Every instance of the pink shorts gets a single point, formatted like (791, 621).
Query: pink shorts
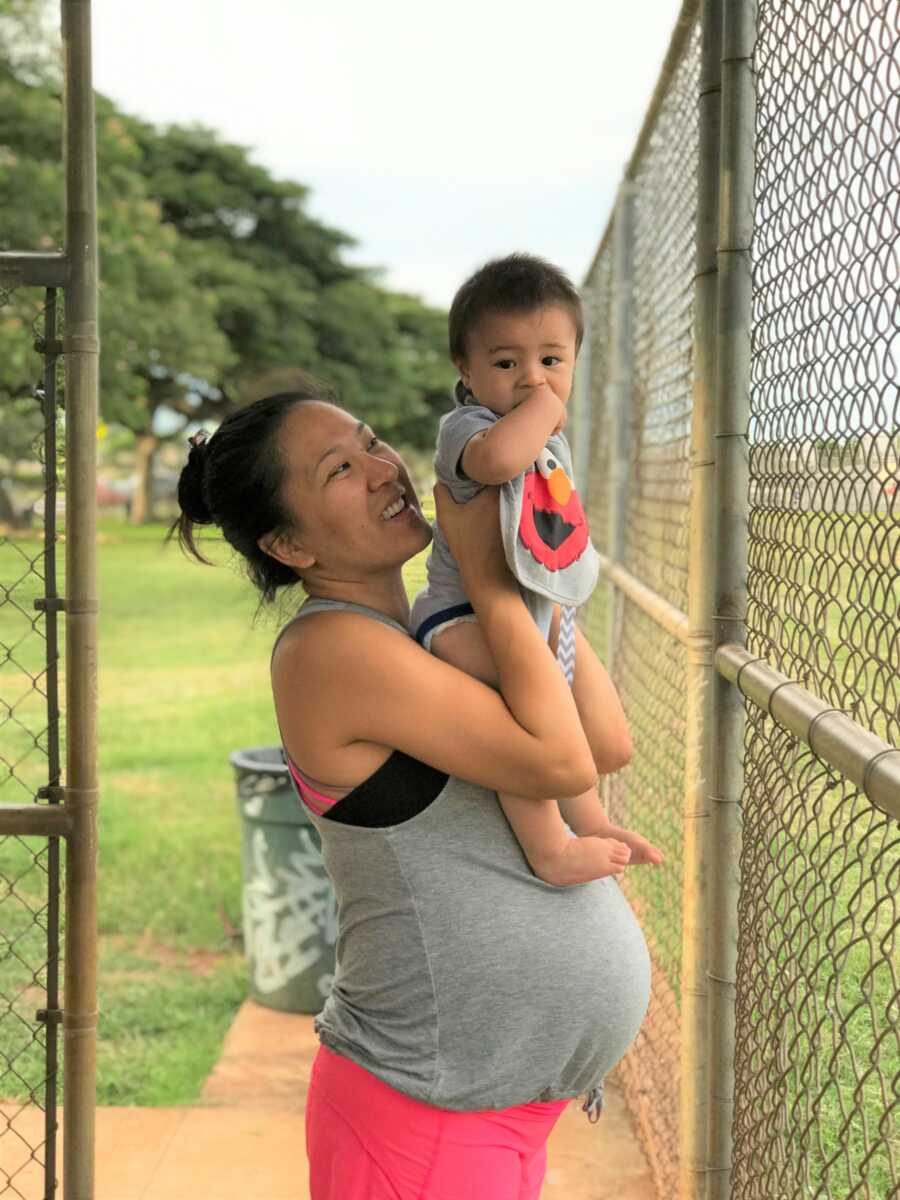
(366, 1141)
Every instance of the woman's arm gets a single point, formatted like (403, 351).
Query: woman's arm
(346, 685)
(596, 699)
(529, 679)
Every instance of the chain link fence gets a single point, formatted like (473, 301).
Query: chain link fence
(594, 486)
(817, 1006)
(648, 664)
(818, 1056)
(30, 868)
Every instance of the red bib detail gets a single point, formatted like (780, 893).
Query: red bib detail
(555, 534)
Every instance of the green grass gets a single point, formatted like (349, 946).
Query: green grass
(183, 681)
(163, 1019)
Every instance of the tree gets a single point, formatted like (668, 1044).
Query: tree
(158, 328)
(21, 426)
(286, 297)
(213, 276)
(25, 53)
(28, 41)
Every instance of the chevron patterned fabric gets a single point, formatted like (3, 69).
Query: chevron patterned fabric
(565, 647)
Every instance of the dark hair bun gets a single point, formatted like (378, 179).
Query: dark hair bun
(191, 486)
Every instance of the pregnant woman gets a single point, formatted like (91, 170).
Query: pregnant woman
(471, 1000)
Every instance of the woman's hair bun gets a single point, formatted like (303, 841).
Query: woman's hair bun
(191, 484)
(235, 480)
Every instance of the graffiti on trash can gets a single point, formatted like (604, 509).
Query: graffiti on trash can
(253, 806)
(288, 914)
(253, 788)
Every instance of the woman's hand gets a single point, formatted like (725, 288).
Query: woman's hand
(473, 534)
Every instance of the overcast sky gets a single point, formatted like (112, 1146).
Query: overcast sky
(437, 134)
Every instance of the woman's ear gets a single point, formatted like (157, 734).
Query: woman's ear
(284, 546)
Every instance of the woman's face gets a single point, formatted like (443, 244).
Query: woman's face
(342, 483)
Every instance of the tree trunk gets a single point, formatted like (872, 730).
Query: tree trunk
(8, 515)
(142, 502)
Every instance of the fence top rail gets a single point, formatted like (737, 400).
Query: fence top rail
(37, 269)
(672, 619)
(857, 753)
(677, 43)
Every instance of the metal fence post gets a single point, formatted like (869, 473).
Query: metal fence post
(81, 348)
(732, 506)
(619, 397)
(700, 672)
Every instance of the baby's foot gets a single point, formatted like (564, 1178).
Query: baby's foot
(612, 855)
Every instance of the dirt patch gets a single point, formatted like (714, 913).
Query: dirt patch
(138, 785)
(29, 1000)
(200, 961)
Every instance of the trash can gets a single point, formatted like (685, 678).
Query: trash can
(289, 908)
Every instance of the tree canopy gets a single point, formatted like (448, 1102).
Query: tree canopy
(213, 273)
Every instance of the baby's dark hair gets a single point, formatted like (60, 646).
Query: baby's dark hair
(235, 479)
(518, 283)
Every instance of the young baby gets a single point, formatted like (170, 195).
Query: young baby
(515, 330)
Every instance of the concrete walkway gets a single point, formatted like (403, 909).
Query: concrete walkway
(244, 1141)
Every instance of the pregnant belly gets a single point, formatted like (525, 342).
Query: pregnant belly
(590, 969)
(561, 978)
(613, 976)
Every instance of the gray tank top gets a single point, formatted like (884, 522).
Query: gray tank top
(462, 979)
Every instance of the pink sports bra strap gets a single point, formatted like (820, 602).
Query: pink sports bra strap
(314, 800)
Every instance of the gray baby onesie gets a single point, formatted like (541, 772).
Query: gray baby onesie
(545, 532)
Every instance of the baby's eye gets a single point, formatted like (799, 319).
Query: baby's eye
(551, 360)
(505, 364)
(373, 442)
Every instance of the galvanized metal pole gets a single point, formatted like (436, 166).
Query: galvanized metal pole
(700, 600)
(81, 347)
(732, 493)
(50, 604)
(619, 397)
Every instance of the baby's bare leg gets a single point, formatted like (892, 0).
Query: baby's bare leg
(465, 646)
(552, 852)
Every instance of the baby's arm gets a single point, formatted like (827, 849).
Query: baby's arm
(508, 446)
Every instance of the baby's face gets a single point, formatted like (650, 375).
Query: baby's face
(510, 354)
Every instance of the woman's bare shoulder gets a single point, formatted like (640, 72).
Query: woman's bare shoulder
(325, 638)
(324, 669)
